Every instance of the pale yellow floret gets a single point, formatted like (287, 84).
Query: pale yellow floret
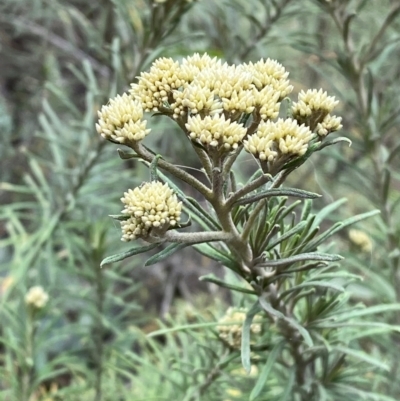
(230, 326)
(198, 98)
(261, 147)
(267, 99)
(240, 101)
(200, 62)
(284, 135)
(269, 73)
(132, 229)
(154, 87)
(152, 205)
(312, 101)
(329, 124)
(224, 79)
(215, 131)
(361, 239)
(121, 120)
(36, 297)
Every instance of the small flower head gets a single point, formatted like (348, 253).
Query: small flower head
(269, 73)
(283, 137)
(230, 326)
(313, 109)
(152, 205)
(329, 124)
(361, 240)
(215, 131)
(36, 297)
(312, 101)
(154, 88)
(267, 100)
(121, 120)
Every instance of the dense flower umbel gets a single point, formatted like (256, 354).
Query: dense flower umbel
(121, 120)
(281, 137)
(313, 108)
(222, 106)
(205, 85)
(153, 205)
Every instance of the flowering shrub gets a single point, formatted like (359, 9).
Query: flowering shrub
(252, 228)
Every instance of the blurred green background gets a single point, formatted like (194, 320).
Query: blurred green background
(60, 60)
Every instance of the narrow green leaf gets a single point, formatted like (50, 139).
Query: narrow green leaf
(154, 168)
(204, 214)
(211, 278)
(265, 371)
(355, 393)
(121, 256)
(119, 217)
(303, 332)
(301, 258)
(245, 346)
(334, 142)
(386, 184)
(165, 253)
(367, 311)
(125, 155)
(287, 235)
(185, 327)
(217, 255)
(294, 192)
(327, 210)
(339, 226)
(314, 284)
(363, 356)
(287, 392)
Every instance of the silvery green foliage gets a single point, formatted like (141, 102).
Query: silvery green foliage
(188, 361)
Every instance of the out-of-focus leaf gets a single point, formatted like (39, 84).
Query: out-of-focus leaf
(245, 346)
(265, 371)
(165, 253)
(123, 255)
(292, 322)
(211, 278)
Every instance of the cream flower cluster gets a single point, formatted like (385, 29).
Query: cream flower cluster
(281, 137)
(36, 297)
(216, 103)
(361, 240)
(205, 85)
(152, 205)
(215, 131)
(121, 120)
(230, 326)
(155, 87)
(313, 108)
(270, 73)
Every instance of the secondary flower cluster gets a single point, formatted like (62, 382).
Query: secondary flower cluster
(230, 326)
(36, 297)
(150, 206)
(283, 136)
(121, 120)
(313, 109)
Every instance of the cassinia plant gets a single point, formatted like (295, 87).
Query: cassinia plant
(304, 330)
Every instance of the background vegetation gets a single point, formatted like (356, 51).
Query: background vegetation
(60, 61)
